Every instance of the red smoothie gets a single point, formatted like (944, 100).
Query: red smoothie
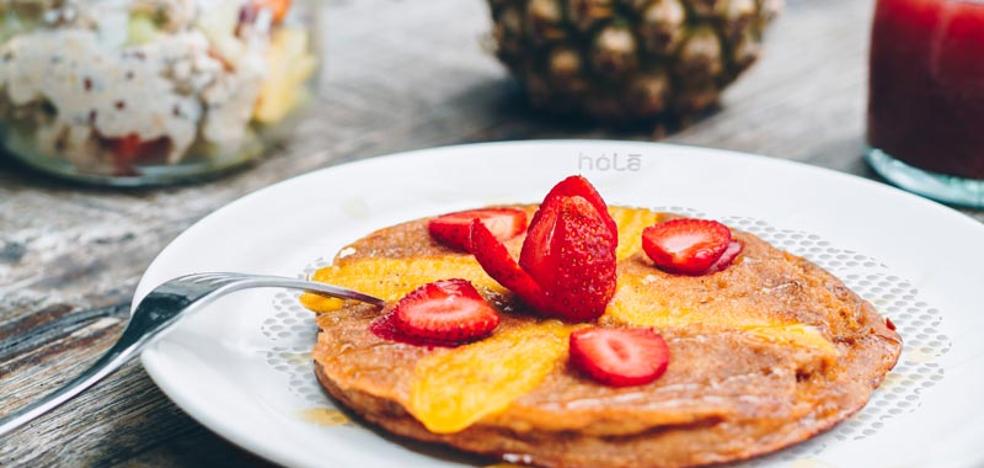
(926, 105)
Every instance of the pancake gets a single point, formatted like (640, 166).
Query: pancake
(767, 353)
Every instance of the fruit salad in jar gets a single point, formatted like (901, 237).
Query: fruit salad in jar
(135, 92)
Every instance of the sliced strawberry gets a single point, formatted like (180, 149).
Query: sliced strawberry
(539, 237)
(496, 261)
(686, 246)
(579, 186)
(578, 267)
(567, 265)
(385, 327)
(454, 229)
(619, 357)
(534, 258)
(729, 255)
(448, 311)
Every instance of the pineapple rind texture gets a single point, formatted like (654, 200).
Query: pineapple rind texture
(625, 61)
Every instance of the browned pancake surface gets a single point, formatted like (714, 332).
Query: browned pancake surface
(728, 394)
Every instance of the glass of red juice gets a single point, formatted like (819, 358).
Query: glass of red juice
(926, 98)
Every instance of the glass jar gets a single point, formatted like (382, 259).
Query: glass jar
(926, 107)
(141, 92)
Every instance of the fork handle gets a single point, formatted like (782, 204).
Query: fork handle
(144, 327)
(128, 346)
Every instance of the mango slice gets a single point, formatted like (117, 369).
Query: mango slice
(796, 334)
(633, 305)
(631, 222)
(453, 389)
(390, 279)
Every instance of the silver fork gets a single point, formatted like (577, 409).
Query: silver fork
(155, 314)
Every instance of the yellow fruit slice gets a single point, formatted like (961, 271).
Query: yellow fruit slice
(390, 279)
(631, 222)
(453, 389)
(635, 305)
(796, 334)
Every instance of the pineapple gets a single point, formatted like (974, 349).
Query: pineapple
(628, 60)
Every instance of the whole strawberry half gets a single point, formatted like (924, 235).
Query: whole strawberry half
(567, 264)
(577, 263)
(619, 357)
(454, 229)
(689, 246)
(447, 312)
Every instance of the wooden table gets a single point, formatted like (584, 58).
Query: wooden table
(400, 75)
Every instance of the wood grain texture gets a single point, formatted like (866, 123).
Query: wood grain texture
(399, 75)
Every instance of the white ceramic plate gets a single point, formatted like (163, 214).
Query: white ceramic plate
(241, 367)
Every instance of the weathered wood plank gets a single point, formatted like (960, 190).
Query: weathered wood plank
(399, 76)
